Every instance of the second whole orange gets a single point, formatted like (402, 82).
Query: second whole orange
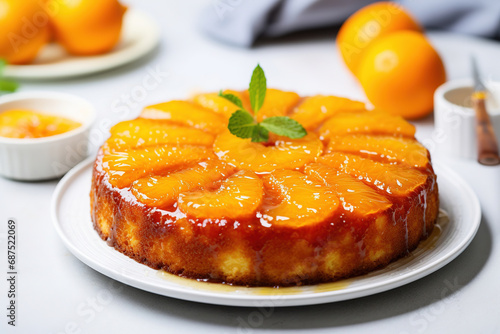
(87, 27)
(400, 73)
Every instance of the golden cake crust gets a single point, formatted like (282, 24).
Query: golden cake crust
(252, 253)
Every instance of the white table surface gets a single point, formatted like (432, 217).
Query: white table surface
(59, 294)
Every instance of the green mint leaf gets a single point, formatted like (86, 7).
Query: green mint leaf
(232, 98)
(260, 134)
(257, 89)
(241, 124)
(8, 86)
(3, 63)
(284, 126)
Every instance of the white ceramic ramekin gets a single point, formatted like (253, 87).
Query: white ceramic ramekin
(455, 120)
(49, 157)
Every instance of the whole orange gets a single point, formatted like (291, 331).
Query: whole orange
(87, 27)
(400, 73)
(24, 30)
(368, 24)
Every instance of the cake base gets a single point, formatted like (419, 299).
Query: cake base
(250, 254)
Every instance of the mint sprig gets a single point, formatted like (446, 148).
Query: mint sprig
(6, 86)
(243, 124)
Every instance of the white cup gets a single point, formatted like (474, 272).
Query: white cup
(455, 120)
(32, 159)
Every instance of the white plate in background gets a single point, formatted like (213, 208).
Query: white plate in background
(140, 35)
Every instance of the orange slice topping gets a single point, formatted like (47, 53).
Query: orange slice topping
(393, 179)
(186, 114)
(314, 110)
(384, 148)
(368, 122)
(125, 167)
(163, 191)
(355, 196)
(238, 197)
(148, 132)
(300, 200)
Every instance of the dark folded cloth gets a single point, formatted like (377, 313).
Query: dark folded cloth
(241, 22)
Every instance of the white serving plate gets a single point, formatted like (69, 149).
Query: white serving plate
(140, 35)
(71, 216)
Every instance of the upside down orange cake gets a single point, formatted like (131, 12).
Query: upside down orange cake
(173, 189)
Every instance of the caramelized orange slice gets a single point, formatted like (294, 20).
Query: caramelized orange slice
(355, 196)
(238, 197)
(125, 167)
(163, 191)
(368, 122)
(394, 179)
(187, 114)
(285, 153)
(277, 103)
(385, 148)
(301, 201)
(315, 110)
(148, 132)
(216, 103)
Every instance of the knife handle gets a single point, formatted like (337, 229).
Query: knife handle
(487, 146)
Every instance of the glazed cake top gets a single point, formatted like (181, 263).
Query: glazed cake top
(179, 155)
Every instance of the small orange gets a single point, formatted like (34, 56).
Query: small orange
(368, 24)
(87, 27)
(400, 73)
(24, 30)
